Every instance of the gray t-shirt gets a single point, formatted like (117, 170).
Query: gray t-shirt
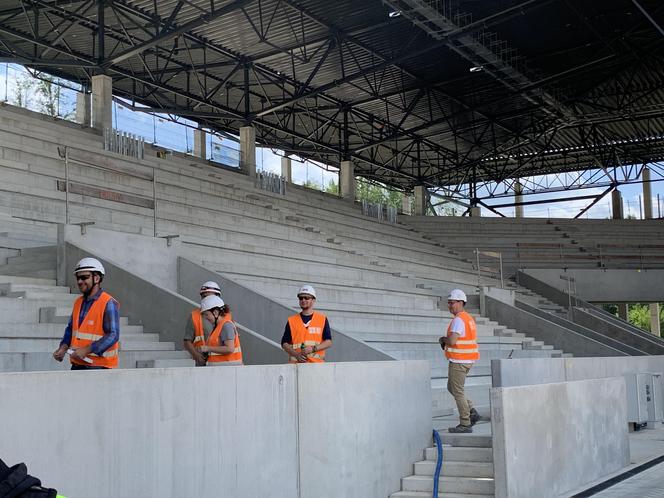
(227, 331)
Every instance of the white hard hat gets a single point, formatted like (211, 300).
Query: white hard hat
(211, 286)
(457, 295)
(307, 289)
(89, 264)
(211, 302)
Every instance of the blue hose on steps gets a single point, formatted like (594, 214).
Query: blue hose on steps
(439, 463)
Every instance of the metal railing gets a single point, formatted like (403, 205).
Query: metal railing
(379, 211)
(493, 271)
(124, 143)
(270, 182)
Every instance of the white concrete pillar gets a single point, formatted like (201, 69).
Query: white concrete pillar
(647, 195)
(421, 200)
(406, 201)
(102, 102)
(248, 150)
(654, 320)
(518, 197)
(287, 169)
(616, 205)
(347, 180)
(83, 108)
(475, 212)
(200, 143)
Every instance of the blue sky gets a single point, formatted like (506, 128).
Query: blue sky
(178, 137)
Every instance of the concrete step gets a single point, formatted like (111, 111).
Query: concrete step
(46, 296)
(455, 469)
(466, 440)
(46, 345)
(43, 361)
(61, 315)
(35, 331)
(9, 279)
(10, 288)
(44, 274)
(468, 485)
(427, 494)
(460, 454)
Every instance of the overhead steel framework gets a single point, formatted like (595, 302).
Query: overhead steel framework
(458, 95)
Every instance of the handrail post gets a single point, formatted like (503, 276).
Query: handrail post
(66, 185)
(479, 275)
(500, 262)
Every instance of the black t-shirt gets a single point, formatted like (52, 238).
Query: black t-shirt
(288, 338)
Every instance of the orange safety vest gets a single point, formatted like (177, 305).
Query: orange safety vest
(465, 348)
(197, 321)
(91, 330)
(310, 334)
(234, 358)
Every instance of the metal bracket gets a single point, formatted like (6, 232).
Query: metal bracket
(168, 239)
(83, 225)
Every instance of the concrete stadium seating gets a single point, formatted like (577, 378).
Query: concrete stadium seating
(382, 283)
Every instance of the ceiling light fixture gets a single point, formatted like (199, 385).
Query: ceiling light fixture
(476, 69)
(394, 13)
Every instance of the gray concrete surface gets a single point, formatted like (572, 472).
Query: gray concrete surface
(529, 371)
(608, 285)
(282, 431)
(546, 330)
(549, 439)
(350, 418)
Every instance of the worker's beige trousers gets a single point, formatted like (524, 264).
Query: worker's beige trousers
(456, 380)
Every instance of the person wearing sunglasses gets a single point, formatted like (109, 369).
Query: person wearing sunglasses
(92, 334)
(307, 334)
(198, 330)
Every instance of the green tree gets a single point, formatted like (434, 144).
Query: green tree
(639, 315)
(332, 188)
(311, 184)
(23, 91)
(376, 193)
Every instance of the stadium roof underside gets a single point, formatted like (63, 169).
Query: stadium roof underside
(415, 92)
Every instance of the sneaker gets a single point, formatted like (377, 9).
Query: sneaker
(474, 416)
(461, 429)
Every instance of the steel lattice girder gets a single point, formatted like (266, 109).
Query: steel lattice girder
(346, 81)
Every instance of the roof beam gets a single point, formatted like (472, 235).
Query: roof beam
(177, 31)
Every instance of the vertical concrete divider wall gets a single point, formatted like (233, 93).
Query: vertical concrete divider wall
(226, 431)
(607, 285)
(352, 443)
(546, 330)
(161, 310)
(265, 316)
(549, 439)
(529, 371)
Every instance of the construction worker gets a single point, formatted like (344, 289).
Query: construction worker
(198, 330)
(92, 334)
(307, 334)
(222, 347)
(461, 350)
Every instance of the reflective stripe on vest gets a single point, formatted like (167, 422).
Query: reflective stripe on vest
(215, 340)
(466, 348)
(310, 334)
(92, 329)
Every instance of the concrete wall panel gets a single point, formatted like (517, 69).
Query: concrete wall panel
(155, 432)
(546, 452)
(349, 437)
(529, 371)
(220, 431)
